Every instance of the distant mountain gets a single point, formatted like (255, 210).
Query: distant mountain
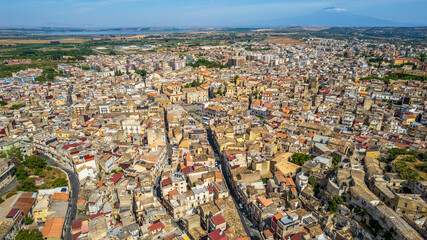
(335, 17)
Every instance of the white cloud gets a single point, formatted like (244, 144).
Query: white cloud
(334, 9)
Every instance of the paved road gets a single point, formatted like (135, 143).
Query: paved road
(69, 96)
(74, 186)
(10, 187)
(253, 233)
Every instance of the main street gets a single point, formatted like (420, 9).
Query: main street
(197, 113)
(251, 231)
(75, 187)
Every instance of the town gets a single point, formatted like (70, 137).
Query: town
(316, 138)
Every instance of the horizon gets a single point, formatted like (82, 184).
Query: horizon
(196, 14)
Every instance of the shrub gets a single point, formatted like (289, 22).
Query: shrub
(27, 185)
(405, 171)
(59, 182)
(26, 234)
(10, 194)
(20, 173)
(300, 158)
(38, 171)
(34, 162)
(28, 220)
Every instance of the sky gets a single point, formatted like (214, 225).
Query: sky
(193, 13)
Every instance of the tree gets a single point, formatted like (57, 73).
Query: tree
(424, 167)
(26, 234)
(38, 171)
(336, 160)
(28, 220)
(20, 173)
(143, 73)
(314, 184)
(11, 153)
(16, 106)
(27, 185)
(312, 181)
(118, 73)
(3, 103)
(333, 206)
(300, 158)
(34, 162)
(338, 199)
(235, 78)
(405, 171)
(59, 182)
(395, 152)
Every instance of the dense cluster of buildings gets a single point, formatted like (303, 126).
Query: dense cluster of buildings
(284, 143)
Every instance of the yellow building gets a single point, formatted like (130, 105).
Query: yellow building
(65, 135)
(287, 168)
(60, 102)
(195, 95)
(373, 152)
(255, 133)
(41, 210)
(410, 204)
(280, 158)
(262, 166)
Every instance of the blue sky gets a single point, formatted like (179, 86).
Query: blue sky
(133, 13)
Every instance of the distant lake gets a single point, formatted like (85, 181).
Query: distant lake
(110, 32)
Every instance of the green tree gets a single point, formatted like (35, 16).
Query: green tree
(16, 106)
(35, 162)
(38, 171)
(59, 182)
(333, 206)
(336, 160)
(11, 153)
(338, 199)
(118, 73)
(27, 185)
(3, 103)
(235, 78)
(28, 220)
(143, 73)
(405, 171)
(395, 152)
(424, 167)
(300, 158)
(314, 184)
(26, 234)
(312, 181)
(20, 173)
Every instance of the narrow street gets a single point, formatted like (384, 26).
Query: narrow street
(252, 232)
(75, 188)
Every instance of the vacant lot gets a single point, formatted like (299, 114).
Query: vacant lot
(417, 166)
(284, 40)
(50, 176)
